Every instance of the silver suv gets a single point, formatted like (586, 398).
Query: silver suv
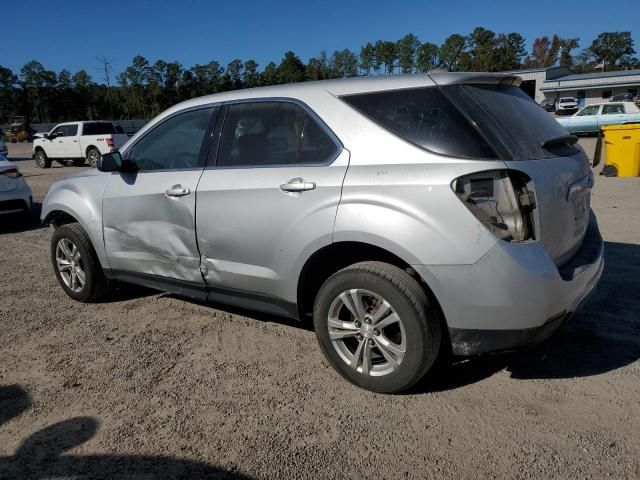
(409, 216)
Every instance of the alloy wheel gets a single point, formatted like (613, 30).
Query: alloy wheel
(93, 158)
(40, 159)
(70, 265)
(366, 332)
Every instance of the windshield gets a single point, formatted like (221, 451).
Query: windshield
(567, 100)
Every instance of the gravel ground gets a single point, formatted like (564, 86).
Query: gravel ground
(154, 386)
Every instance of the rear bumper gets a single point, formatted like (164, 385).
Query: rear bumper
(515, 295)
(16, 201)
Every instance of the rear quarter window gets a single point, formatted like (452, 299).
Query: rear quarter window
(425, 118)
(511, 120)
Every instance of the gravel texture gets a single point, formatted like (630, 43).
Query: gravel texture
(153, 386)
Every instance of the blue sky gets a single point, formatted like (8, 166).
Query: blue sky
(71, 34)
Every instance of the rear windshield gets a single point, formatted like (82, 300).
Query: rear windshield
(471, 121)
(101, 128)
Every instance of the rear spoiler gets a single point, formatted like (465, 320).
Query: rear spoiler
(456, 78)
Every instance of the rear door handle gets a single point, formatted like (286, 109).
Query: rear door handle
(297, 185)
(177, 191)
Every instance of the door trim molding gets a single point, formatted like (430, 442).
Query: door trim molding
(212, 294)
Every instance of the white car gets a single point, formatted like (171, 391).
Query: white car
(15, 194)
(77, 141)
(566, 106)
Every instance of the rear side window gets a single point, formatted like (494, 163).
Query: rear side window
(425, 118)
(102, 128)
(612, 109)
(272, 134)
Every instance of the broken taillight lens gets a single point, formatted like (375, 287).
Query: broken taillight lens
(501, 200)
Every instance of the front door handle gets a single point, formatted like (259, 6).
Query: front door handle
(177, 191)
(297, 185)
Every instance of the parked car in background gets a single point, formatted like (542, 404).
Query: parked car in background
(590, 118)
(623, 97)
(78, 142)
(3, 145)
(566, 106)
(549, 104)
(406, 220)
(15, 194)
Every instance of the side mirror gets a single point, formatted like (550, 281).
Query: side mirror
(113, 162)
(109, 162)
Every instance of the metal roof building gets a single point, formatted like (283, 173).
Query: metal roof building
(593, 87)
(588, 88)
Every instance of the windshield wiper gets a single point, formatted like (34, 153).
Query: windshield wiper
(560, 140)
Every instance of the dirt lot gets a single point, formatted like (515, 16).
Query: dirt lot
(153, 386)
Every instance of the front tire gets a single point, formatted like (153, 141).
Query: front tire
(76, 265)
(42, 160)
(92, 157)
(375, 326)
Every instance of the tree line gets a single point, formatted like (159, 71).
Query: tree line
(144, 89)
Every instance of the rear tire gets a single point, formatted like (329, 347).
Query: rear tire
(76, 265)
(394, 338)
(42, 160)
(92, 157)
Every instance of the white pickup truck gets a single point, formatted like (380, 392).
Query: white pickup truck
(77, 141)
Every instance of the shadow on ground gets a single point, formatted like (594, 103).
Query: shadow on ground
(16, 223)
(603, 336)
(42, 455)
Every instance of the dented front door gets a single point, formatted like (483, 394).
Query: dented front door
(149, 224)
(149, 215)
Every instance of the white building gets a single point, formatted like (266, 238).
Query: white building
(588, 88)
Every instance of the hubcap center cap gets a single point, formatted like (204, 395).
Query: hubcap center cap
(366, 330)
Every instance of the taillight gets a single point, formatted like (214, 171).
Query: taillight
(110, 143)
(501, 200)
(10, 172)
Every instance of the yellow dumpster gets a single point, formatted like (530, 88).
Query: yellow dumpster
(622, 150)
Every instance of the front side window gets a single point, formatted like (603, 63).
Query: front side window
(612, 109)
(173, 144)
(590, 110)
(262, 134)
(70, 130)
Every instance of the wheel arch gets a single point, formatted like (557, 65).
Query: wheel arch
(90, 147)
(57, 218)
(333, 257)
